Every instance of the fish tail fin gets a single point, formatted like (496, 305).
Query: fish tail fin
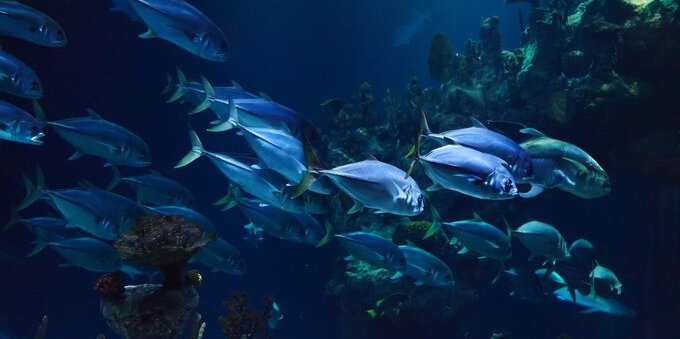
(328, 236)
(170, 84)
(39, 113)
(195, 152)
(311, 162)
(508, 229)
(372, 313)
(117, 178)
(40, 244)
(414, 151)
(436, 223)
(424, 127)
(304, 184)
(209, 96)
(499, 274)
(181, 87)
(229, 200)
(33, 191)
(13, 220)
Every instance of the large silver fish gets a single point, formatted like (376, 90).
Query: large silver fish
(542, 239)
(263, 184)
(221, 256)
(19, 126)
(296, 227)
(17, 78)
(373, 249)
(93, 135)
(377, 185)
(480, 237)
(425, 268)
(563, 165)
(480, 138)
(593, 303)
(155, 189)
(27, 23)
(87, 253)
(470, 172)
(179, 23)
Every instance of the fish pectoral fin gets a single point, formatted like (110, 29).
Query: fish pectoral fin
(397, 276)
(532, 192)
(358, 206)
(434, 187)
(564, 178)
(149, 34)
(76, 155)
(463, 250)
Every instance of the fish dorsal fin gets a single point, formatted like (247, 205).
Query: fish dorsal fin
(236, 85)
(149, 34)
(476, 217)
(207, 87)
(532, 132)
(264, 96)
(369, 156)
(37, 109)
(411, 243)
(477, 123)
(93, 114)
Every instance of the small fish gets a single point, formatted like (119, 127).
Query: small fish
(481, 237)
(542, 239)
(93, 135)
(16, 78)
(155, 189)
(19, 126)
(376, 185)
(266, 185)
(482, 139)
(594, 304)
(26, 23)
(221, 256)
(604, 283)
(87, 253)
(470, 172)
(291, 226)
(179, 23)
(254, 235)
(583, 251)
(204, 223)
(391, 304)
(425, 268)
(373, 249)
(275, 317)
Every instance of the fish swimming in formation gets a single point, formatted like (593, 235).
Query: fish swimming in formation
(542, 239)
(26, 23)
(563, 165)
(425, 268)
(604, 283)
(468, 171)
(376, 185)
(373, 249)
(262, 184)
(17, 78)
(482, 139)
(296, 227)
(595, 304)
(179, 23)
(404, 33)
(154, 189)
(47, 230)
(93, 135)
(480, 237)
(19, 126)
(221, 256)
(87, 253)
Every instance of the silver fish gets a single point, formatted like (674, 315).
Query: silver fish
(373, 249)
(93, 135)
(470, 172)
(87, 253)
(17, 78)
(377, 185)
(480, 237)
(19, 126)
(221, 256)
(604, 282)
(179, 23)
(542, 239)
(425, 268)
(594, 304)
(154, 189)
(27, 23)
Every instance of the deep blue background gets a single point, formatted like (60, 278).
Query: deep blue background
(300, 53)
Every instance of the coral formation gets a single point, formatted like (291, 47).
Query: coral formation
(242, 322)
(109, 285)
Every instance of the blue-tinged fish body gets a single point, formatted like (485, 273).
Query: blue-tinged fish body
(373, 249)
(524, 285)
(19, 126)
(221, 256)
(291, 226)
(542, 239)
(155, 189)
(593, 303)
(490, 142)
(379, 186)
(17, 78)
(480, 237)
(278, 150)
(426, 268)
(87, 253)
(104, 139)
(181, 24)
(23, 22)
(470, 172)
(46, 230)
(75, 206)
(204, 223)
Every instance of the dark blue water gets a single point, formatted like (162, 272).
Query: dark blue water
(300, 53)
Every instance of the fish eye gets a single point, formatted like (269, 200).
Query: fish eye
(507, 185)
